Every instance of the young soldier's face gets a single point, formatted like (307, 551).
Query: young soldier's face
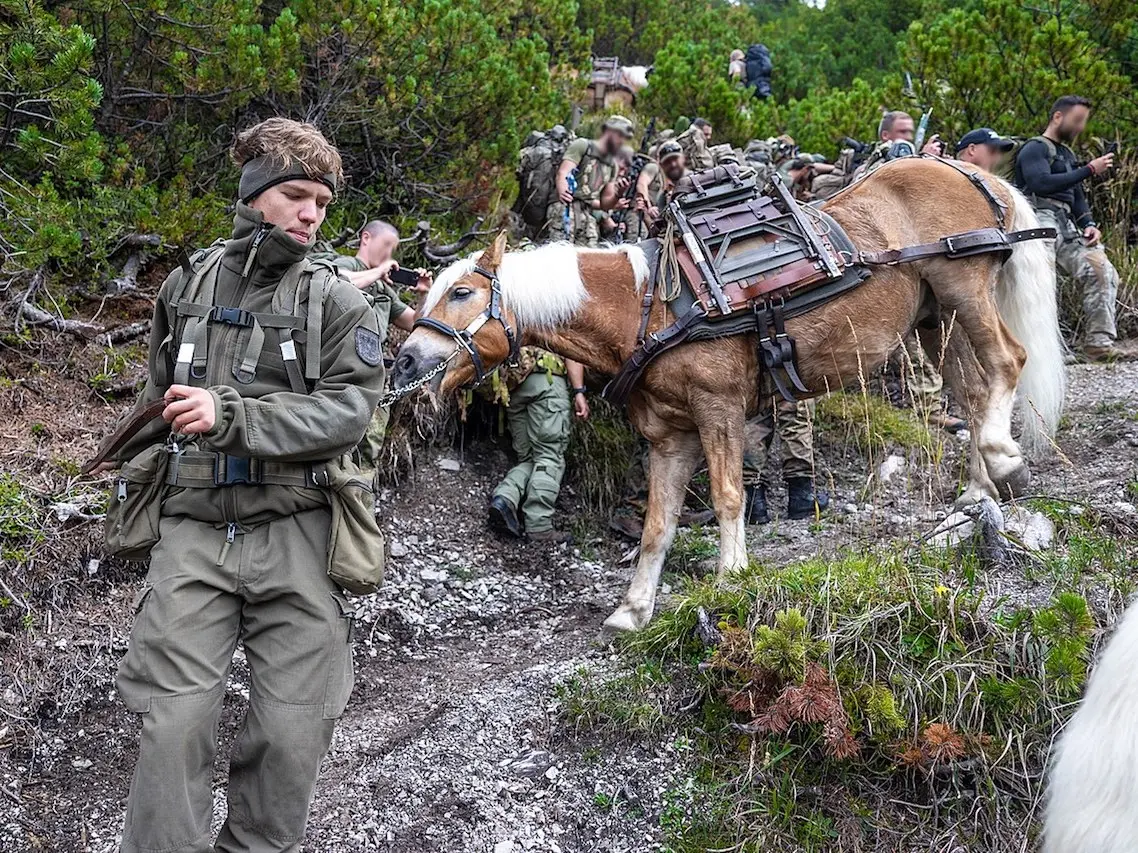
(296, 207)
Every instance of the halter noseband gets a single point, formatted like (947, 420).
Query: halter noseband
(465, 337)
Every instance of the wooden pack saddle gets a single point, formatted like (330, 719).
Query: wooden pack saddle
(736, 245)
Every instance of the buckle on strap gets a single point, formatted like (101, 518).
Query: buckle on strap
(236, 470)
(231, 316)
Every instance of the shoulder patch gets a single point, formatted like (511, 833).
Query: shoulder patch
(368, 347)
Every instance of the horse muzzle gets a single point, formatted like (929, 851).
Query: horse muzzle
(414, 359)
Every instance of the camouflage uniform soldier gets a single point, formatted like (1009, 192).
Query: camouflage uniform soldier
(594, 165)
(695, 143)
(538, 416)
(1048, 173)
(368, 270)
(793, 422)
(244, 533)
(654, 188)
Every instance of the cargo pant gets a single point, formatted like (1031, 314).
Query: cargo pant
(538, 417)
(794, 424)
(1092, 271)
(583, 227)
(921, 378)
(270, 590)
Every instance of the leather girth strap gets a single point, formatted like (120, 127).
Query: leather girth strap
(127, 430)
(979, 242)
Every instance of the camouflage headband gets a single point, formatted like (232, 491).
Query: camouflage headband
(260, 173)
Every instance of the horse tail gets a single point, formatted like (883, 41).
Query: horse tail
(1026, 299)
(1092, 802)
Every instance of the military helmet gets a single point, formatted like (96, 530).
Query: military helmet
(619, 124)
(669, 149)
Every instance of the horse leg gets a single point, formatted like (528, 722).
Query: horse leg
(671, 463)
(722, 438)
(986, 362)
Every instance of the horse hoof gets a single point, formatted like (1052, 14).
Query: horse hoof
(972, 495)
(626, 619)
(1014, 484)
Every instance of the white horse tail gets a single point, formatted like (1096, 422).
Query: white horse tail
(1092, 804)
(1027, 302)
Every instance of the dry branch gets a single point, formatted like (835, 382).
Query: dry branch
(38, 317)
(121, 334)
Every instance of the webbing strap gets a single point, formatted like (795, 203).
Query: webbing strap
(292, 367)
(247, 371)
(200, 469)
(193, 341)
(313, 326)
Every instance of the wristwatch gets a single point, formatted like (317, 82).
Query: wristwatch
(584, 391)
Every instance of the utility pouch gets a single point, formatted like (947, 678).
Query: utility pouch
(356, 555)
(135, 506)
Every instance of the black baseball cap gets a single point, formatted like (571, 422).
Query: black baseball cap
(985, 136)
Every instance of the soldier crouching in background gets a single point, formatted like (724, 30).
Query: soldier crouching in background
(244, 512)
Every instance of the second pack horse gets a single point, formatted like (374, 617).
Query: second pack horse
(939, 247)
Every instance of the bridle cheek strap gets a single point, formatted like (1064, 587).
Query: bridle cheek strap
(465, 337)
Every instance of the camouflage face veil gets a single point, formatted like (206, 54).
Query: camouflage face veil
(261, 173)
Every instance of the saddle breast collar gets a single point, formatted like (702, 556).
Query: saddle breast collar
(465, 337)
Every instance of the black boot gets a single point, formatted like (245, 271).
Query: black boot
(504, 517)
(801, 497)
(755, 509)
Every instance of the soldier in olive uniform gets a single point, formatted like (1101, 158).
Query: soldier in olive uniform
(591, 164)
(794, 424)
(368, 270)
(538, 416)
(243, 553)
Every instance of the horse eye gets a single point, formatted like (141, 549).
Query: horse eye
(460, 293)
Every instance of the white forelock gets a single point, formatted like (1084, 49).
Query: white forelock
(541, 286)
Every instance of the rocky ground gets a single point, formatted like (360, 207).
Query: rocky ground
(453, 740)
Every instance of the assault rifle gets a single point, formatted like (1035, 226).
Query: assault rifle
(639, 161)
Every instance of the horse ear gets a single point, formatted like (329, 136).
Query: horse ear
(493, 255)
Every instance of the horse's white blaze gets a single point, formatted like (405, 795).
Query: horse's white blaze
(542, 286)
(1025, 297)
(1092, 804)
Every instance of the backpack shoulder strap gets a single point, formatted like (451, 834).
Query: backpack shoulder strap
(1052, 151)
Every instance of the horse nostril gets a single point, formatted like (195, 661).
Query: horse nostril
(404, 364)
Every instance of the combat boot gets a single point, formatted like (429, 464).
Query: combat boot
(551, 537)
(801, 498)
(755, 509)
(504, 517)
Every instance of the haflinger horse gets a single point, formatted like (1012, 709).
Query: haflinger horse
(991, 324)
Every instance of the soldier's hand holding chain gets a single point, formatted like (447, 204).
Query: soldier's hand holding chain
(189, 410)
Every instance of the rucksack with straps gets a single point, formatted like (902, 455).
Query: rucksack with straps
(537, 172)
(193, 298)
(696, 152)
(1008, 170)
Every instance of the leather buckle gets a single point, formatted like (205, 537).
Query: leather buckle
(231, 316)
(236, 471)
(949, 246)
